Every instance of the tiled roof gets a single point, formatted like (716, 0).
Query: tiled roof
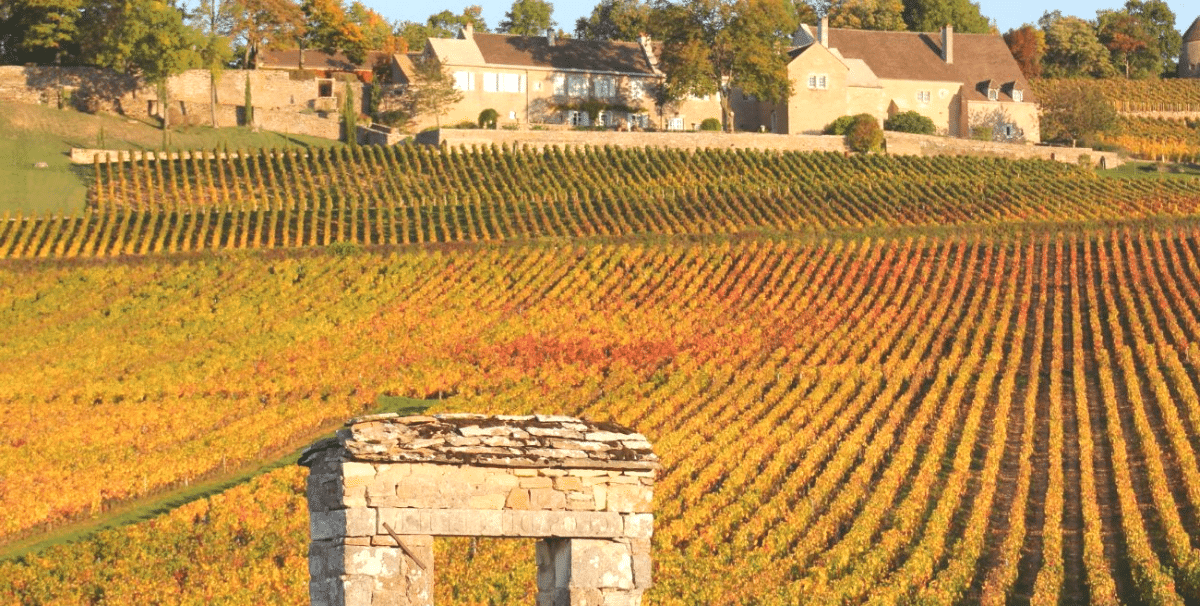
(564, 54)
(542, 441)
(314, 59)
(1193, 32)
(977, 58)
(451, 51)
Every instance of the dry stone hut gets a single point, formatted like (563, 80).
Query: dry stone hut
(386, 485)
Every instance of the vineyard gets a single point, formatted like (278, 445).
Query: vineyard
(1150, 95)
(1157, 139)
(842, 419)
(414, 195)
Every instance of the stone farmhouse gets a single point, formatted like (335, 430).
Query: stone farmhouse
(541, 80)
(1189, 58)
(963, 82)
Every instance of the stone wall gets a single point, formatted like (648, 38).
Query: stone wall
(685, 140)
(586, 491)
(927, 145)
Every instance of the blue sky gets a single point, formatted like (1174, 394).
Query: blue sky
(1007, 15)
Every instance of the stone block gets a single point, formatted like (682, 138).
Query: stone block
(568, 483)
(327, 524)
(600, 497)
(596, 563)
(585, 596)
(390, 500)
(324, 493)
(547, 498)
(580, 502)
(524, 472)
(393, 472)
(325, 560)
(538, 482)
(639, 525)
(587, 473)
(643, 570)
(373, 561)
(630, 499)
(358, 589)
(518, 498)
(404, 521)
(360, 522)
(623, 598)
(487, 501)
(472, 475)
(639, 546)
(551, 472)
(419, 491)
(356, 469)
(500, 480)
(358, 540)
(428, 469)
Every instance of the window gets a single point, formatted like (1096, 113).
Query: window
(605, 87)
(464, 80)
(490, 82)
(637, 89)
(577, 86)
(512, 83)
(639, 120)
(675, 124)
(325, 88)
(578, 118)
(537, 85)
(560, 86)
(924, 96)
(993, 94)
(818, 81)
(1017, 95)
(1010, 131)
(604, 118)
(512, 115)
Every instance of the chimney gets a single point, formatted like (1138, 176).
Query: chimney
(648, 48)
(823, 32)
(468, 31)
(948, 44)
(550, 36)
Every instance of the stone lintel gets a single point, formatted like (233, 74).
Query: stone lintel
(505, 523)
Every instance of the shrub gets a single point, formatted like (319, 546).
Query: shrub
(864, 134)
(840, 126)
(710, 124)
(465, 124)
(910, 122)
(487, 118)
(981, 133)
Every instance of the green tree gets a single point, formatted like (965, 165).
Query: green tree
(715, 46)
(1076, 113)
(1159, 21)
(39, 31)
(1072, 49)
(885, 15)
(350, 116)
(214, 20)
(329, 29)
(910, 122)
(431, 93)
(1027, 45)
(528, 18)
(440, 25)
(1133, 50)
(614, 20)
(146, 37)
(931, 15)
(864, 135)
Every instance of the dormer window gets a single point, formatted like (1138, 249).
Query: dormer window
(993, 94)
(1017, 95)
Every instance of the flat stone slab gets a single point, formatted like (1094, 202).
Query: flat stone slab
(533, 441)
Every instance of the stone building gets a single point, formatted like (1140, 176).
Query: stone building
(386, 485)
(963, 82)
(1189, 57)
(547, 80)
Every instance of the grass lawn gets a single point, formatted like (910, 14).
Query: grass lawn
(1152, 170)
(36, 133)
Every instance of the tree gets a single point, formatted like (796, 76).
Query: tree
(440, 25)
(329, 29)
(931, 15)
(431, 92)
(910, 122)
(1075, 113)
(214, 21)
(884, 15)
(1131, 46)
(1159, 21)
(864, 134)
(715, 46)
(614, 20)
(259, 23)
(528, 18)
(350, 116)
(146, 37)
(1027, 45)
(1072, 49)
(377, 33)
(39, 31)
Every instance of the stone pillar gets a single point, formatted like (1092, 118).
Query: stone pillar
(591, 572)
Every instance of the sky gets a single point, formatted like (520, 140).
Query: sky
(1006, 14)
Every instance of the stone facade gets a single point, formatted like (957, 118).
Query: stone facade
(381, 490)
